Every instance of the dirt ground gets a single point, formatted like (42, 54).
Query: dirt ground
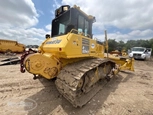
(129, 93)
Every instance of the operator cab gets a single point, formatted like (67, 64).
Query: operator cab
(67, 18)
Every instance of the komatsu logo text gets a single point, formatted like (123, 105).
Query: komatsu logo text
(54, 42)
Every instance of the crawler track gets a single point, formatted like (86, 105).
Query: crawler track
(80, 81)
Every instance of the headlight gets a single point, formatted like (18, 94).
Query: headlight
(130, 55)
(143, 55)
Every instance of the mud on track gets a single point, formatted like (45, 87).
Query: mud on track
(129, 93)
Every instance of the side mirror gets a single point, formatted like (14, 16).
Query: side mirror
(47, 36)
(146, 51)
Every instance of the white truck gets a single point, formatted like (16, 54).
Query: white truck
(140, 53)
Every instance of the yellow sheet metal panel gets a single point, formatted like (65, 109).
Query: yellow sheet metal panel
(11, 46)
(73, 46)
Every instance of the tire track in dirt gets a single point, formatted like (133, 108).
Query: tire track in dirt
(128, 93)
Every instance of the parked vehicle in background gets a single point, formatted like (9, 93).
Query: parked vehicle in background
(33, 47)
(10, 46)
(140, 53)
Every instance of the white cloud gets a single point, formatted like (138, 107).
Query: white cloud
(21, 13)
(56, 5)
(48, 27)
(133, 35)
(17, 18)
(40, 12)
(25, 36)
(133, 14)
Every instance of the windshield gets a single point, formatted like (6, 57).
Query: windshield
(138, 49)
(59, 24)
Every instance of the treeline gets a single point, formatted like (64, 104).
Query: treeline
(114, 45)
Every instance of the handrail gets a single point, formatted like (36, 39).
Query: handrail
(80, 33)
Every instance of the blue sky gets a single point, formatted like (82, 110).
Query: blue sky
(27, 21)
(44, 9)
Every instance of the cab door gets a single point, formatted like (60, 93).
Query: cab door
(149, 50)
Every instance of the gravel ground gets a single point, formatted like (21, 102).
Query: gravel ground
(129, 93)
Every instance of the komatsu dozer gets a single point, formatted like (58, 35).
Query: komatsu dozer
(78, 62)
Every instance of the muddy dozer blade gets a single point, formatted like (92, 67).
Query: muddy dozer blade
(124, 62)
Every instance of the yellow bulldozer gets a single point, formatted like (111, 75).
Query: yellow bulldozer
(71, 56)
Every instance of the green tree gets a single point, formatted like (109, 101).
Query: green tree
(112, 45)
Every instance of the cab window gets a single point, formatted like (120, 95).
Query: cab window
(80, 24)
(83, 25)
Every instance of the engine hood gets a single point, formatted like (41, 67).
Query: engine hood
(137, 52)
